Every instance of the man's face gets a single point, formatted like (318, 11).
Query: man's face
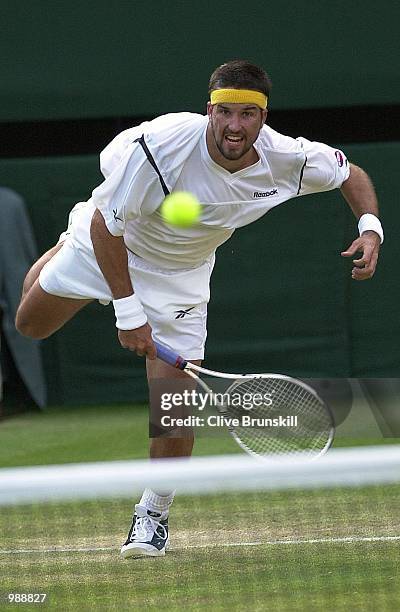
(235, 127)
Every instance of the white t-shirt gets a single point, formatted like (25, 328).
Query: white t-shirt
(130, 197)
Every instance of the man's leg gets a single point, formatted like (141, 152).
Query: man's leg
(35, 270)
(40, 314)
(149, 531)
(161, 447)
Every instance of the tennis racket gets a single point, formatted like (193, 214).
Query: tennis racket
(282, 415)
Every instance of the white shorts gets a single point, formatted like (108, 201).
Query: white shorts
(175, 301)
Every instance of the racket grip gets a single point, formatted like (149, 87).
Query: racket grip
(168, 356)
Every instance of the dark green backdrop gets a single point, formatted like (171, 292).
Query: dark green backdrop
(99, 58)
(282, 297)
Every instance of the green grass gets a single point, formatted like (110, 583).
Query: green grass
(102, 433)
(76, 434)
(212, 564)
(209, 565)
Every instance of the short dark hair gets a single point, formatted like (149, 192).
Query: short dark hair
(240, 74)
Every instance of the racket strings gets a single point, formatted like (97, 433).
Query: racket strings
(285, 417)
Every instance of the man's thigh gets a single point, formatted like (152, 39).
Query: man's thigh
(40, 314)
(62, 282)
(37, 267)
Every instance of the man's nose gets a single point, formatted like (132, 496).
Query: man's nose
(234, 123)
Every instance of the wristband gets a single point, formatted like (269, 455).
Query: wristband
(370, 223)
(129, 312)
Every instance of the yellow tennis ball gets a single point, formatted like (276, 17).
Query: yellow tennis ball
(181, 208)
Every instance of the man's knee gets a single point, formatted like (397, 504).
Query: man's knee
(40, 314)
(34, 314)
(27, 326)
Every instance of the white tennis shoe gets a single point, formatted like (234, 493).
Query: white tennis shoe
(148, 535)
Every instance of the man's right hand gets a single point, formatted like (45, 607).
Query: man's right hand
(138, 340)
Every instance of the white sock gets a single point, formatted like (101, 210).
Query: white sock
(155, 502)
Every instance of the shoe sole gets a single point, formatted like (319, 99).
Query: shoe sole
(141, 549)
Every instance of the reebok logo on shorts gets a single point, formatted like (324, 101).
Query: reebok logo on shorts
(180, 314)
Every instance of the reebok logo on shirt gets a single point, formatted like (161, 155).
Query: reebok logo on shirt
(264, 194)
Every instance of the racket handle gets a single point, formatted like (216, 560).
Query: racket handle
(168, 356)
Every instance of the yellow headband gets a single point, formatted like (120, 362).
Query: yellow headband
(239, 96)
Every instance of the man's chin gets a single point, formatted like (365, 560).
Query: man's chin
(233, 155)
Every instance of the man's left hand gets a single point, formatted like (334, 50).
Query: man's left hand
(368, 244)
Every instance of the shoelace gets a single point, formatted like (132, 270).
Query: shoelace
(146, 526)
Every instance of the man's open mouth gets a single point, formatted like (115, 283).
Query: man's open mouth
(233, 139)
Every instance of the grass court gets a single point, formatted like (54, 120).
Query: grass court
(311, 550)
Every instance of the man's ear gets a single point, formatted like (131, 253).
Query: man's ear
(264, 113)
(209, 108)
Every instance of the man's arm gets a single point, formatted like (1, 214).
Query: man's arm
(359, 193)
(112, 258)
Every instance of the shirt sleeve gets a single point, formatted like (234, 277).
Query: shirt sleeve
(120, 197)
(325, 168)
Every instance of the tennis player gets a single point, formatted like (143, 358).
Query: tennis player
(118, 249)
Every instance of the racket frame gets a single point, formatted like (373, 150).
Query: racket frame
(193, 370)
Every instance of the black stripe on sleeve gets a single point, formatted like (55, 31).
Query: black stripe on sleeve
(149, 156)
(301, 175)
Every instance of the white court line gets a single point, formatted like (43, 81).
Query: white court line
(344, 540)
(31, 551)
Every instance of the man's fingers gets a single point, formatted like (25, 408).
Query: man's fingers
(138, 341)
(361, 262)
(367, 271)
(152, 352)
(363, 274)
(366, 251)
(352, 250)
(364, 260)
(144, 349)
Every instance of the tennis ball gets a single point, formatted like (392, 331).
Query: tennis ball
(181, 208)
